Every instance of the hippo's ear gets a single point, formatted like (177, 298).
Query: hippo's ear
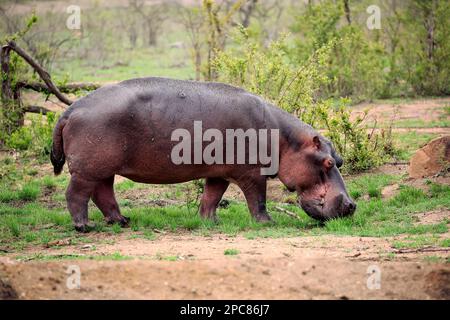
(316, 141)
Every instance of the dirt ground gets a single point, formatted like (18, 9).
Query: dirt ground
(326, 267)
(424, 109)
(189, 266)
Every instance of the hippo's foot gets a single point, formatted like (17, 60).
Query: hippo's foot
(263, 218)
(84, 227)
(214, 219)
(124, 222)
(210, 217)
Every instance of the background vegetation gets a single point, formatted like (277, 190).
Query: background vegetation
(311, 58)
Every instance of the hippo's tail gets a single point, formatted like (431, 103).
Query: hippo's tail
(57, 156)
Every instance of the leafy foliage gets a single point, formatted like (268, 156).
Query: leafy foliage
(35, 138)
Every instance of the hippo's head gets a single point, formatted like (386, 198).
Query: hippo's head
(311, 169)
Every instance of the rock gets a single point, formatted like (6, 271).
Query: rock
(431, 159)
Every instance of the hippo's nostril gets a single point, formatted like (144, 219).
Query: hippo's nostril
(351, 207)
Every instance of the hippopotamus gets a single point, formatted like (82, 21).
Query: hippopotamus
(127, 129)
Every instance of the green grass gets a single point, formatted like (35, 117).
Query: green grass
(370, 185)
(414, 242)
(231, 252)
(409, 142)
(116, 256)
(7, 195)
(49, 182)
(125, 185)
(29, 191)
(23, 224)
(27, 220)
(139, 62)
(420, 123)
(160, 256)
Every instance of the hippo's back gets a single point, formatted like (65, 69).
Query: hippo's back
(131, 123)
(175, 103)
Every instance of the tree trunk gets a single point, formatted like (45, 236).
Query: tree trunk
(10, 97)
(198, 64)
(430, 26)
(7, 94)
(152, 36)
(347, 11)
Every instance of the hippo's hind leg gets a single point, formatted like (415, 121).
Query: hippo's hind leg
(105, 200)
(78, 194)
(254, 189)
(214, 190)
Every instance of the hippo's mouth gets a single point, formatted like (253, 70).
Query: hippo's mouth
(323, 210)
(314, 208)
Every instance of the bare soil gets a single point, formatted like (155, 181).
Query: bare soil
(325, 267)
(424, 109)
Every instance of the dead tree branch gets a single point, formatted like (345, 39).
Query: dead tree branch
(67, 88)
(36, 109)
(45, 76)
(424, 249)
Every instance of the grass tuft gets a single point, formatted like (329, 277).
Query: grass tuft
(231, 252)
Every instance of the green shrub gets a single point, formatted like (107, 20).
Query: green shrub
(361, 150)
(356, 64)
(36, 137)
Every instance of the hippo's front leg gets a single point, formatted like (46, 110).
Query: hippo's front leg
(254, 189)
(214, 190)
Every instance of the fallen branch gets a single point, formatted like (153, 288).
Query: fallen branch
(36, 109)
(67, 88)
(354, 255)
(289, 213)
(424, 249)
(395, 163)
(45, 76)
